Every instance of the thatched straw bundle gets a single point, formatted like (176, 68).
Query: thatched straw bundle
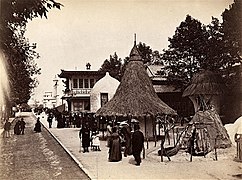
(205, 82)
(214, 127)
(135, 95)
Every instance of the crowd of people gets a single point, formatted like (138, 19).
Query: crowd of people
(119, 138)
(19, 127)
(68, 120)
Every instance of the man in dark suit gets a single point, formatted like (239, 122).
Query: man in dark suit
(137, 144)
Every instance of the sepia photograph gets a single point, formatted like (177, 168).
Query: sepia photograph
(120, 89)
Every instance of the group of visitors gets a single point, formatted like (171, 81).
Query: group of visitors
(68, 119)
(19, 127)
(133, 143)
(89, 138)
(117, 137)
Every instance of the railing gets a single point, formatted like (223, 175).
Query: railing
(74, 92)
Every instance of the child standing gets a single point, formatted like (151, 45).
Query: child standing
(95, 142)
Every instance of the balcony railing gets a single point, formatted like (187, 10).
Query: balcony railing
(76, 92)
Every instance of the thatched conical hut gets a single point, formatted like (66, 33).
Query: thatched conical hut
(135, 96)
(205, 86)
(204, 91)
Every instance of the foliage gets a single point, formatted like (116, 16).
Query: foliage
(196, 47)
(184, 51)
(19, 53)
(113, 66)
(145, 52)
(232, 30)
(232, 25)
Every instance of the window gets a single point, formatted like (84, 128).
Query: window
(91, 83)
(86, 84)
(74, 83)
(80, 83)
(77, 105)
(104, 98)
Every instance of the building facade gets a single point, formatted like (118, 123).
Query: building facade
(78, 88)
(49, 99)
(79, 85)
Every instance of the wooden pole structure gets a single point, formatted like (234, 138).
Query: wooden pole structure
(143, 151)
(146, 133)
(174, 140)
(215, 149)
(155, 123)
(162, 148)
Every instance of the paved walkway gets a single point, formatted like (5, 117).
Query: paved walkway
(96, 165)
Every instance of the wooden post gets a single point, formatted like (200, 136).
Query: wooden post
(155, 131)
(146, 134)
(154, 128)
(143, 152)
(215, 149)
(174, 140)
(162, 147)
(191, 155)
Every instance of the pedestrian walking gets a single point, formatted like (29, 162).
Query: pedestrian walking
(84, 135)
(37, 127)
(7, 127)
(115, 154)
(137, 144)
(50, 120)
(109, 132)
(22, 125)
(17, 128)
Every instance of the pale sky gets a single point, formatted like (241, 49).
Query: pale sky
(91, 30)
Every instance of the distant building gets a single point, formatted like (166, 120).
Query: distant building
(78, 88)
(49, 100)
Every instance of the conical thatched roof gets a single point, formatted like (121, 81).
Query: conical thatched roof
(214, 126)
(135, 95)
(205, 82)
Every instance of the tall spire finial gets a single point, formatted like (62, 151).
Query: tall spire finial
(135, 39)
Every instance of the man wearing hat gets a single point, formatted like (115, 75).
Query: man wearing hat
(137, 144)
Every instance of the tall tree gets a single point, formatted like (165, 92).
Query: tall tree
(145, 52)
(232, 24)
(183, 54)
(113, 66)
(19, 53)
(232, 30)
(195, 46)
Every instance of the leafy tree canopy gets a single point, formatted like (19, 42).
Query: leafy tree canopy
(232, 24)
(195, 47)
(19, 53)
(113, 66)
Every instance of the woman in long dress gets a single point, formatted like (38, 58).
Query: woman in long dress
(37, 127)
(115, 147)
